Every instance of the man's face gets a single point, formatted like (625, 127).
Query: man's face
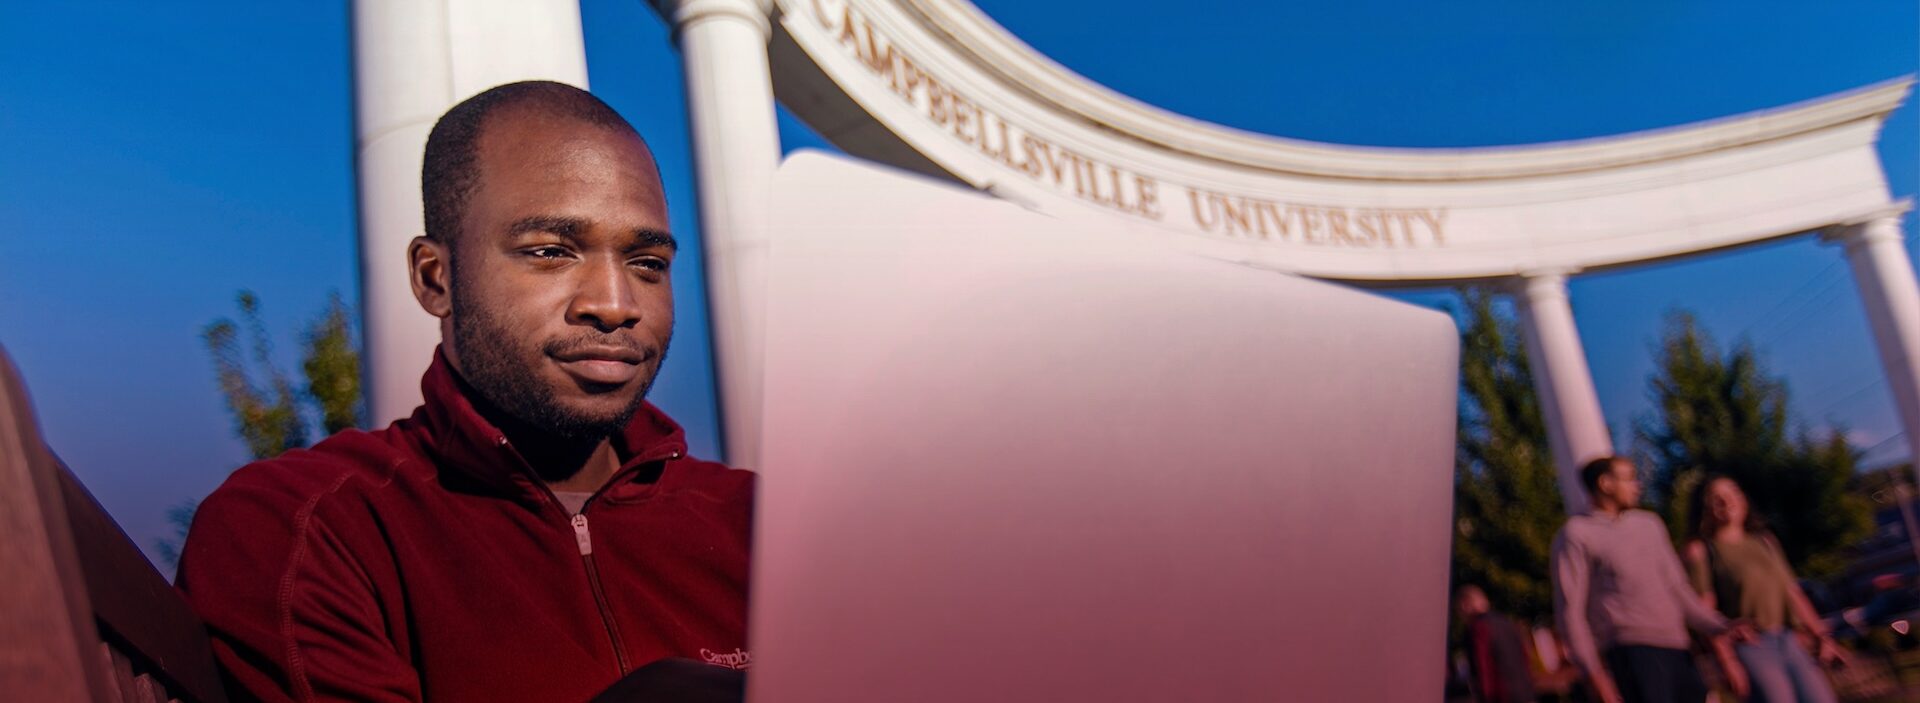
(1623, 483)
(561, 299)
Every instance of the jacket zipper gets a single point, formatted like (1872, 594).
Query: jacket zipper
(583, 537)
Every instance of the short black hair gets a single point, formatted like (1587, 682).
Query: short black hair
(449, 172)
(1591, 473)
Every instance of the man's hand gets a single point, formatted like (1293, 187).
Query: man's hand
(1604, 689)
(1741, 632)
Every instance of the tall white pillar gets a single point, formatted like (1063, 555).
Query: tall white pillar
(413, 59)
(1576, 429)
(1876, 250)
(736, 147)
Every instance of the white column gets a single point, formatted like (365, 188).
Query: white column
(736, 147)
(1876, 249)
(412, 60)
(1576, 429)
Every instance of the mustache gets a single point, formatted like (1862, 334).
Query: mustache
(577, 342)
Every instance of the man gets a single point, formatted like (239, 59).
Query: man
(535, 531)
(1496, 650)
(1621, 597)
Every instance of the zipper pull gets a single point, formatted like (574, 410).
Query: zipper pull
(580, 535)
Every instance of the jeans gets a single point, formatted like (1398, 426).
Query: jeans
(1781, 671)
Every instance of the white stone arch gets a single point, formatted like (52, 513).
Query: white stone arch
(937, 87)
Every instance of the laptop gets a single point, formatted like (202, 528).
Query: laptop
(1007, 459)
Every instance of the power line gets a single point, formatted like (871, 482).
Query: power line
(1765, 319)
(1851, 395)
(1795, 318)
(1881, 443)
(1782, 302)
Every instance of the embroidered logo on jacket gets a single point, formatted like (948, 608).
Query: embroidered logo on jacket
(736, 659)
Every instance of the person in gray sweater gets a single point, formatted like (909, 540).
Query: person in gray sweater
(1621, 598)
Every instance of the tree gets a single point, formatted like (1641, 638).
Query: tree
(269, 414)
(1723, 414)
(332, 366)
(267, 419)
(1507, 503)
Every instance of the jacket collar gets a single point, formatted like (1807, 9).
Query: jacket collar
(463, 442)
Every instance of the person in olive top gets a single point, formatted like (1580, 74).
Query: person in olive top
(1738, 567)
(1622, 599)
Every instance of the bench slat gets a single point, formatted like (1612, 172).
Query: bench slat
(84, 618)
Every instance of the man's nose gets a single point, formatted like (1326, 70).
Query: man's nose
(605, 298)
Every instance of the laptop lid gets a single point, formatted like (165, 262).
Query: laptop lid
(1006, 461)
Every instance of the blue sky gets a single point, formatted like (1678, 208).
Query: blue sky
(156, 160)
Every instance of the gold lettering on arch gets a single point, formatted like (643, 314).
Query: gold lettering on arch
(1242, 217)
(1113, 186)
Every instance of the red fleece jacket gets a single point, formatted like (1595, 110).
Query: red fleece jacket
(425, 562)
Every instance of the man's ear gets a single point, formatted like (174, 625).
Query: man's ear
(430, 270)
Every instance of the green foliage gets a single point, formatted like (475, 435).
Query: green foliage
(332, 365)
(1724, 414)
(1506, 502)
(267, 418)
(269, 414)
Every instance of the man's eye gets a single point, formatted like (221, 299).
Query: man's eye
(546, 252)
(652, 263)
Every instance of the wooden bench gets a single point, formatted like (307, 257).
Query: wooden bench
(83, 615)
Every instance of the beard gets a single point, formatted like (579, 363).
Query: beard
(509, 379)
